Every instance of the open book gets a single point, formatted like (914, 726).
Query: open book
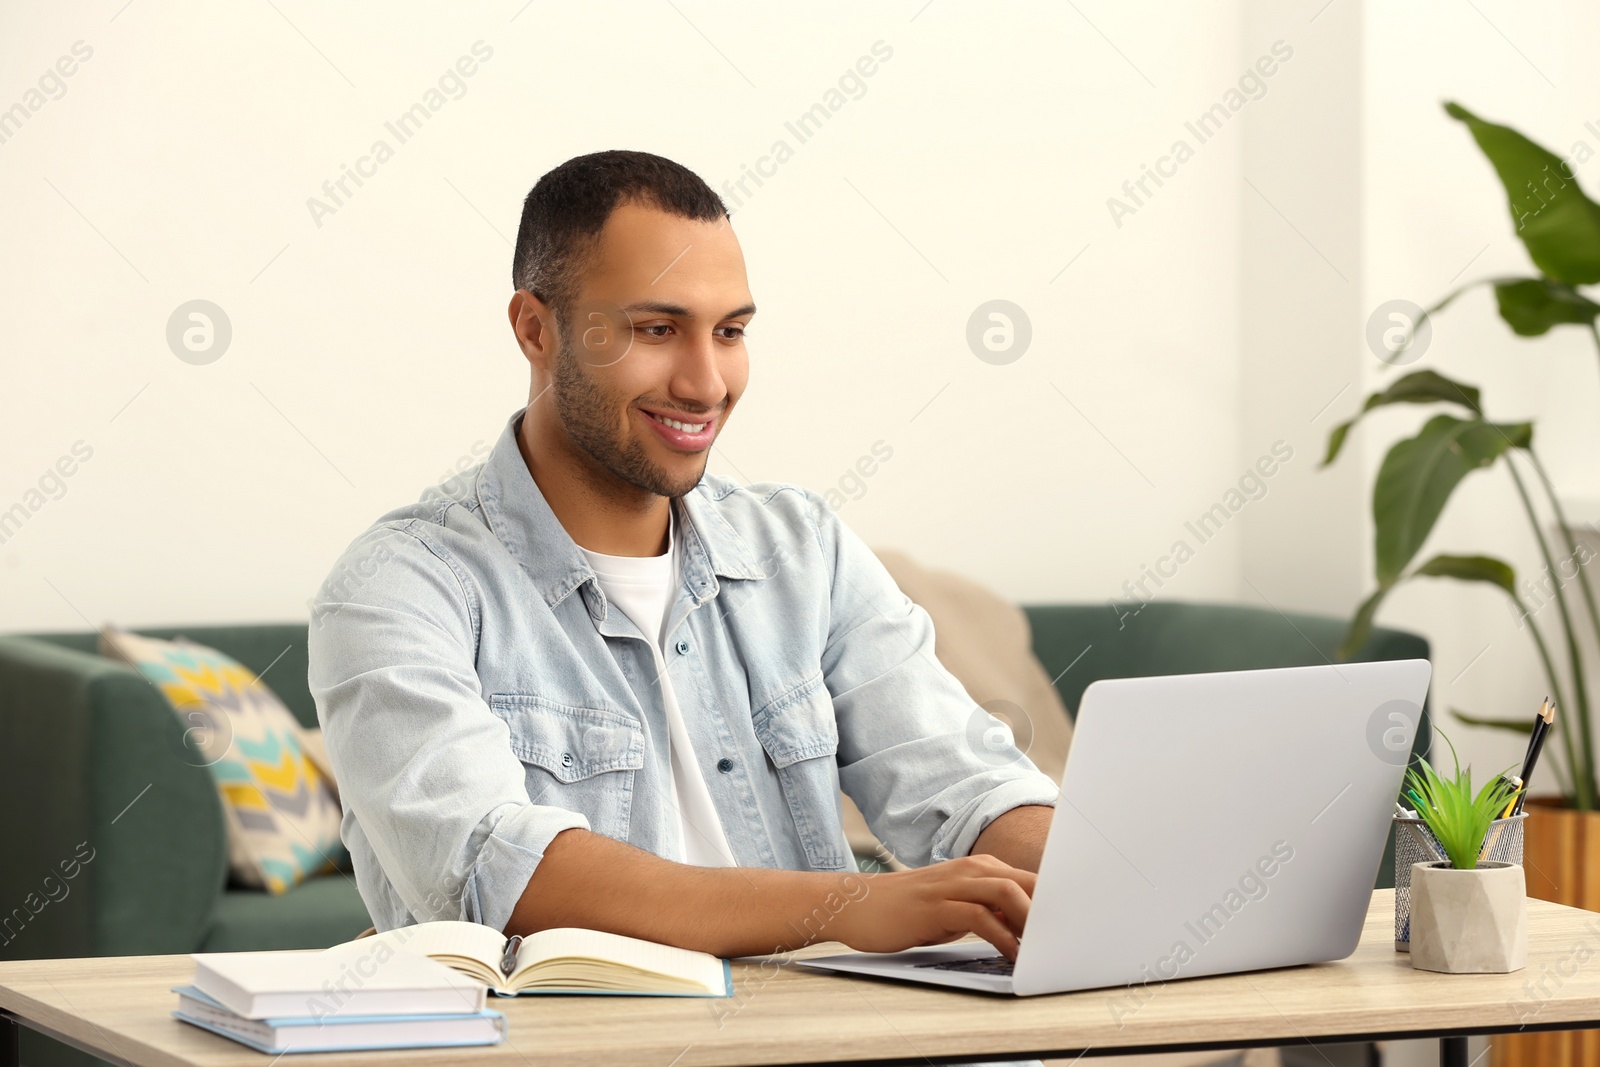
(565, 960)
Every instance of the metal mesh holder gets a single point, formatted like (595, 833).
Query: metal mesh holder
(1415, 843)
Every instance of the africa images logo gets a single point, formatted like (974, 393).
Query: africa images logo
(1251, 887)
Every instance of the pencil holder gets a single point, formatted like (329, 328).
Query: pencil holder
(1415, 843)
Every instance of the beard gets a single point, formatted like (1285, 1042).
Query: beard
(587, 411)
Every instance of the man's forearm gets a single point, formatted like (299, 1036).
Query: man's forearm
(592, 881)
(1017, 837)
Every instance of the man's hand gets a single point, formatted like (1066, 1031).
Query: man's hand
(938, 904)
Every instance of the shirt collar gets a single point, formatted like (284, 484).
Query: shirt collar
(521, 518)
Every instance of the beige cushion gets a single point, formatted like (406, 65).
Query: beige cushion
(984, 641)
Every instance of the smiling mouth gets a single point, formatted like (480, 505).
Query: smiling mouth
(681, 435)
(685, 427)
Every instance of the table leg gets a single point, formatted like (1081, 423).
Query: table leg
(1452, 1052)
(10, 1041)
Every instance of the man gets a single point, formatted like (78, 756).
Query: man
(588, 684)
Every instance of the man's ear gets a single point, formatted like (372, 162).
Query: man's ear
(534, 324)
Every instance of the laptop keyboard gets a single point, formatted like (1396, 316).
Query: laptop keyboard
(985, 965)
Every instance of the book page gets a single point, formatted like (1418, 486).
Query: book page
(473, 941)
(568, 943)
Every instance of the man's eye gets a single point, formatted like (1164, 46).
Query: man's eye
(651, 330)
(732, 333)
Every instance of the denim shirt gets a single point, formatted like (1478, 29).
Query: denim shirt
(478, 695)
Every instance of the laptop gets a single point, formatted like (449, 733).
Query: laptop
(1207, 824)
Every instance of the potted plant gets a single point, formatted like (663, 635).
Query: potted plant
(1560, 228)
(1468, 915)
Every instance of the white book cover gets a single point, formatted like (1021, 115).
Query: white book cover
(351, 980)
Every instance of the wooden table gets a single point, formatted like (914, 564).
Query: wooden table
(118, 1008)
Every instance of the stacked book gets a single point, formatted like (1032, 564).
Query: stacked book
(352, 997)
(425, 985)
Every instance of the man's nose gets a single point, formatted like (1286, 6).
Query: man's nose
(697, 372)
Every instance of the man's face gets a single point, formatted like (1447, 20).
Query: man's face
(653, 359)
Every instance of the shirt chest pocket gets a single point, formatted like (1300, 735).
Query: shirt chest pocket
(801, 737)
(581, 759)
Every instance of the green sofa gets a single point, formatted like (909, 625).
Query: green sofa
(91, 757)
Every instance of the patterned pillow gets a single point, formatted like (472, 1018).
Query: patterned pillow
(282, 813)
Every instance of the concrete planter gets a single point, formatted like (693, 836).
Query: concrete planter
(1469, 922)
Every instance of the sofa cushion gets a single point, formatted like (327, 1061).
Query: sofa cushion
(282, 814)
(984, 641)
(319, 912)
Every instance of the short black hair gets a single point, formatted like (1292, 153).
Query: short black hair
(567, 208)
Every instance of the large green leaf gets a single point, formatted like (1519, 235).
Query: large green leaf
(1360, 628)
(1523, 725)
(1418, 476)
(1418, 387)
(1471, 569)
(1465, 568)
(1558, 224)
(1531, 306)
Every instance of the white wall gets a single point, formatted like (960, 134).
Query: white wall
(370, 353)
(1300, 291)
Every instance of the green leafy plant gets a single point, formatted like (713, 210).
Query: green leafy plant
(1560, 228)
(1458, 818)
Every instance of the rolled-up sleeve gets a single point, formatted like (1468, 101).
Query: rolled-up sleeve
(424, 767)
(917, 755)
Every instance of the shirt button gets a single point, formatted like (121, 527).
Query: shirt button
(724, 764)
(566, 759)
(683, 646)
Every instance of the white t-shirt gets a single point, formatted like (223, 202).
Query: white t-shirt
(643, 588)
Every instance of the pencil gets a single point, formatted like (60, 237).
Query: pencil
(1541, 730)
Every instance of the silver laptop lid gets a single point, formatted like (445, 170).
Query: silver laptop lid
(1221, 822)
